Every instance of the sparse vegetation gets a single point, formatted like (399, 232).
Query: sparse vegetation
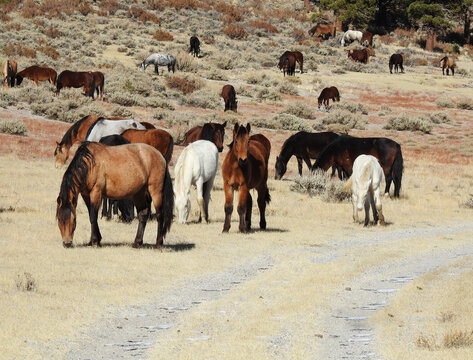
(13, 127)
(319, 184)
(403, 122)
(26, 282)
(464, 104)
(299, 109)
(444, 102)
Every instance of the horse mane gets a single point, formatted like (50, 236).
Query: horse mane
(92, 126)
(287, 146)
(72, 131)
(207, 131)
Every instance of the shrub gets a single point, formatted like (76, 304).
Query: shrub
(260, 24)
(283, 121)
(52, 32)
(110, 6)
(183, 4)
(214, 74)
(299, 109)
(224, 62)
(208, 39)
(288, 89)
(351, 107)
(26, 282)
(14, 127)
(13, 27)
(181, 84)
(440, 117)
(444, 102)
(142, 15)
(464, 104)
(121, 111)
(126, 99)
(469, 203)
(85, 9)
(235, 32)
(12, 49)
(298, 34)
(49, 51)
(319, 184)
(185, 62)
(202, 98)
(230, 13)
(30, 10)
(161, 35)
(345, 118)
(155, 5)
(267, 94)
(403, 122)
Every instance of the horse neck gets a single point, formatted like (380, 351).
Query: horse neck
(184, 174)
(286, 152)
(324, 161)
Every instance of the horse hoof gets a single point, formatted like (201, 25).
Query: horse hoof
(136, 245)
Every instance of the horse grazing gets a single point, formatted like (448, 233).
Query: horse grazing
(304, 146)
(351, 35)
(99, 79)
(298, 56)
(194, 46)
(245, 167)
(197, 165)
(209, 131)
(396, 60)
(324, 31)
(9, 68)
(448, 63)
(134, 171)
(361, 55)
(229, 96)
(76, 79)
(367, 38)
(345, 149)
(328, 93)
(109, 206)
(160, 139)
(159, 60)
(37, 74)
(287, 63)
(103, 127)
(365, 183)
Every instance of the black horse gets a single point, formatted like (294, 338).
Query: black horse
(125, 206)
(304, 146)
(195, 46)
(345, 149)
(396, 61)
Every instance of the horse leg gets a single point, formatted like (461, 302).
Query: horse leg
(241, 209)
(249, 207)
(453, 71)
(200, 197)
(389, 178)
(299, 165)
(228, 206)
(373, 206)
(142, 207)
(156, 70)
(263, 198)
(93, 209)
(379, 209)
(307, 162)
(207, 188)
(367, 211)
(354, 200)
(104, 208)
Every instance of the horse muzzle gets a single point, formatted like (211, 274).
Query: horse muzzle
(242, 162)
(67, 245)
(277, 177)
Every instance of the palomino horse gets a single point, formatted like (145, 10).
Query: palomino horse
(298, 56)
(160, 139)
(209, 131)
(304, 146)
(352, 35)
(345, 149)
(448, 63)
(99, 80)
(37, 74)
(159, 60)
(246, 167)
(396, 61)
(76, 79)
(9, 68)
(229, 97)
(366, 188)
(75, 134)
(197, 165)
(327, 94)
(103, 127)
(135, 171)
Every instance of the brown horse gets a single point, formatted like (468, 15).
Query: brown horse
(327, 94)
(37, 73)
(9, 68)
(76, 133)
(133, 171)
(147, 125)
(160, 139)
(287, 63)
(76, 79)
(246, 167)
(361, 55)
(448, 63)
(396, 60)
(298, 56)
(209, 131)
(99, 79)
(367, 38)
(324, 31)
(229, 96)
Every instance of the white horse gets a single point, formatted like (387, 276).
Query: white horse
(365, 182)
(159, 60)
(352, 35)
(197, 165)
(104, 127)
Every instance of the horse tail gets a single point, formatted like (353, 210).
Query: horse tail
(348, 185)
(167, 205)
(267, 196)
(169, 150)
(397, 168)
(334, 31)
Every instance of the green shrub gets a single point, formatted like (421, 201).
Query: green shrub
(121, 111)
(267, 94)
(14, 127)
(404, 122)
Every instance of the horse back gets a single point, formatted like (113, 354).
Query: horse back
(266, 145)
(193, 134)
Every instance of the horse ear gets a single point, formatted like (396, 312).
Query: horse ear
(224, 124)
(57, 143)
(235, 128)
(248, 127)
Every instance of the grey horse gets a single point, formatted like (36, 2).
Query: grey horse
(159, 60)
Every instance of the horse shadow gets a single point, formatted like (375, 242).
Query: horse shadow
(267, 230)
(166, 247)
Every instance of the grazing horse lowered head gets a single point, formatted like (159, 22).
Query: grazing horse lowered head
(324, 31)
(9, 68)
(194, 46)
(37, 74)
(327, 94)
(76, 79)
(361, 55)
(396, 60)
(352, 35)
(159, 60)
(229, 96)
(448, 63)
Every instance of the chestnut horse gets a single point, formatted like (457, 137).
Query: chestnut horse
(324, 31)
(37, 73)
(160, 139)
(9, 68)
(76, 79)
(246, 167)
(133, 171)
(328, 93)
(99, 79)
(209, 131)
(229, 97)
(448, 63)
(362, 56)
(345, 149)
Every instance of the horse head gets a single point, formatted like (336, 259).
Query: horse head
(66, 219)
(183, 204)
(280, 168)
(143, 65)
(60, 155)
(241, 143)
(219, 135)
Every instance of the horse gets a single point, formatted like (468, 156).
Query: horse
(287, 63)
(352, 35)
(396, 61)
(229, 96)
(324, 31)
(361, 55)
(109, 206)
(37, 74)
(99, 79)
(159, 60)
(103, 127)
(245, 167)
(76, 79)
(76, 133)
(365, 183)
(367, 38)
(194, 46)
(9, 68)
(160, 139)
(328, 93)
(304, 146)
(197, 165)
(345, 149)
(133, 171)
(297, 55)
(147, 125)
(209, 131)
(448, 63)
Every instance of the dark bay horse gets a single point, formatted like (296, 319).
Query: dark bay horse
(396, 61)
(304, 146)
(298, 56)
(449, 64)
(76, 79)
(133, 171)
(345, 149)
(99, 79)
(246, 167)
(287, 63)
(361, 56)
(37, 74)
(209, 131)
(229, 97)
(194, 46)
(160, 139)
(328, 93)
(9, 68)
